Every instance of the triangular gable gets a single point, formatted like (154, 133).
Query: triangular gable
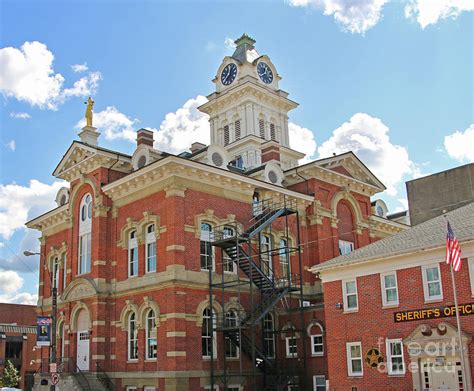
(350, 163)
(75, 153)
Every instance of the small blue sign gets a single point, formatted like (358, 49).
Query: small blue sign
(43, 331)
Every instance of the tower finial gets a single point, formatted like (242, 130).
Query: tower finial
(245, 39)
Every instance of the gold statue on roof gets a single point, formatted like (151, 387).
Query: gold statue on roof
(89, 112)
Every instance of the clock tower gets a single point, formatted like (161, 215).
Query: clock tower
(248, 113)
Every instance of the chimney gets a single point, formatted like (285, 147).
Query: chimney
(145, 136)
(270, 151)
(197, 147)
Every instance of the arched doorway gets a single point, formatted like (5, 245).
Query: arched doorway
(83, 341)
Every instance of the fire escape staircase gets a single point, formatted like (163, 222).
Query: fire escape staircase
(237, 248)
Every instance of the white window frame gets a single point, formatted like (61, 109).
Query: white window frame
(313, 337)
(213, 337)
(389, 356)
(269, 335)
(226, 260)
(132, 252)
(231, 316)
(55, 273)
(289, 354)
(315, 378)
(131, 388)
(64, 258)
(350, 372)
(150, 242)
(85, 235)
(345, 244)
(148, 334)
(385, 302)
(345, 295)
(266, 245)
(149, 388)
(425, 283)
(284, 255)
(130, 338)
(230, 387)
(205, 236)
(470, 262)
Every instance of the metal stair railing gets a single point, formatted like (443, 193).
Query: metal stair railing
(104, 378)
(244, 343)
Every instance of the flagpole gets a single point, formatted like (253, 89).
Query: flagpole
(466, 386)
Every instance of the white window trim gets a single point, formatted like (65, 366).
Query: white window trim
(470, 262)
(85, 230)
(238, 386)
(384, 289)
(150, 239)
(226, 258)
(214, 338)
(132, 244)
(131, 388)
(345, 242)
(272, 337)
(313, 353)
(287, 344)
(129, 339)
(64, 258)
(147, 331)
(344, 294)
(389, 356)
(237, 355)
(213, 255)
(315, 377)
(149, 388)
(349, 359)
(425, 284)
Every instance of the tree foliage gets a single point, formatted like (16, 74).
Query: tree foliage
(11, 377)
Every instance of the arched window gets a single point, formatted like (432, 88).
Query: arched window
(151, 338)
(55, 273)
(206, 247)
(269, 335)
(132, 337)
(208, 334)
(228, 265)
(317, 344)
(150, 249)
(85, 234)
(284, 258)
(61, 338)
(64, 258)
(345, 228)
(132, 254)
(266, 257)
(231, 350)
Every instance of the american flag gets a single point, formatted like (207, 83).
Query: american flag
(453, 250)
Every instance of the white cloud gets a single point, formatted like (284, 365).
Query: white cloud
(11, 145)
(460, 145)
(428, 12)
(78, 68)
(229, 43)
(113, 124)
(368, 138)
(20, 115)
(10, 281)
(183, 127)
(302, 140)
(27, 74)
(19, 203)
(355, 16)
(20, 298)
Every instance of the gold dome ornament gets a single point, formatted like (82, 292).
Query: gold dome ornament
(373, 357)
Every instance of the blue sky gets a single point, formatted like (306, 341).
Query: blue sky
(392, 81)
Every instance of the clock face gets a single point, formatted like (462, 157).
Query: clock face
(228, 74)
(264, 72)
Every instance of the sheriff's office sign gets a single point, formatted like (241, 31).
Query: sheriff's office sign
(43, 331)
(433, 313)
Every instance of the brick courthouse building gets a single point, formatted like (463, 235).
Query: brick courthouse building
(178, 272)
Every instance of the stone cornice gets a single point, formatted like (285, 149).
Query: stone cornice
(52, 220)
(380, 227)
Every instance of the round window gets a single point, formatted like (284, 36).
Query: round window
(217, 159)
(272, 176)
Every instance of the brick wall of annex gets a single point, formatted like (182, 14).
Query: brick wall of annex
(372, 322)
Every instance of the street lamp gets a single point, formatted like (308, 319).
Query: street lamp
(54, 313)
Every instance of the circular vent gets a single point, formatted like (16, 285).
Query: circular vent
(141, 161)
(272, 176)
(217, 159)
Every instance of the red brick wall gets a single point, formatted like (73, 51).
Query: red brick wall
(372, 322)
(23, 315)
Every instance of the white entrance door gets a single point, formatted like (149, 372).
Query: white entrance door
(83, 350)
(443, 376)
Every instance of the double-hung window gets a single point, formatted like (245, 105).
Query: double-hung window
(319, 383)
(228, 265)
(208, 334)
(354, 359)
(231, 350)
(55, 282)
(349, 290)
(269, 336)
(132, 254)
(206, 247)
(396, 364)
(150, 249)
(132, 338)
(291, 347)
(85, 234)
(151, 340)
(284, 258)
(317, 345)
(389, 289)
(345, 247)
(432, 283)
